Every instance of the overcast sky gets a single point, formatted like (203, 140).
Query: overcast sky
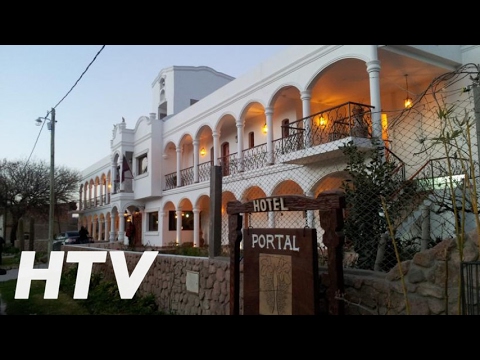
(36, 78)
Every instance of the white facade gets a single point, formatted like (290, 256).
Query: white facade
(196, 109)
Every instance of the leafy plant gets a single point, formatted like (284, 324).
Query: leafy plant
(372, 177)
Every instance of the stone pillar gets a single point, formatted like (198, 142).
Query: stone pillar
(216, 147)
(179, 226)
(195, 160)
(269, 116)
(307, 122)
(196, 227)
(179, 158)
(373, 69)
(239, 124)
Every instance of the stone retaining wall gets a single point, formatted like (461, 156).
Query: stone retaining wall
(166, 280)
(431, 280)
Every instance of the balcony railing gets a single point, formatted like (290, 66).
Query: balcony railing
(346, 120)
(187, 176)
(171, 181)
(204, 170)
(95, 201)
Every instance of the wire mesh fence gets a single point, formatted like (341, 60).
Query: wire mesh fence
(405, 192)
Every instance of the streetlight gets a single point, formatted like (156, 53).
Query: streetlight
(51, 127)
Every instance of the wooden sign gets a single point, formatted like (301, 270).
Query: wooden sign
(280, 271)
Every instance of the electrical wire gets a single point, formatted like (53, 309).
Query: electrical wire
(69, 91)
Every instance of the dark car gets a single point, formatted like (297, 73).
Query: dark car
(66, 238)
(70, 238)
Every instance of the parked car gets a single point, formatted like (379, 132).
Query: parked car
(69, 238)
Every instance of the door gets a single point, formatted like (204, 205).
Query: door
(225, 159)
(137, 221)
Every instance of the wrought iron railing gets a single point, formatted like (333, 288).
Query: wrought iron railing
(186, 175)
(204, 170)
(171, 181)
(348, 119)
(255, 157)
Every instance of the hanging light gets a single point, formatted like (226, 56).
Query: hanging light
(265, 128)
(408, 100)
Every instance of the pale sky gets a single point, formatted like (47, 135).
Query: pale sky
(35, 78)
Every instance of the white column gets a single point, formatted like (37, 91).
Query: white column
(114, 178)
(373, 69)
(196, 227)
(216, 147)
(121, 229)
(100, 229)
(195, 160)
(179, 226)
(112, 227)
(122, 183)
(161, 226)
(90, 194)
(179, 158)
(93, 233)
(239, 123)
(307, 123)
(269, 121)
(102, 186)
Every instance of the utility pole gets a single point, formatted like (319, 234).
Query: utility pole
(51, 216)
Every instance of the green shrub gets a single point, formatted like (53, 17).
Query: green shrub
(104, 297)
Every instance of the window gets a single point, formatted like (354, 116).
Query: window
(153, 221)
(187, 220)
(142, 164)
(251, 139)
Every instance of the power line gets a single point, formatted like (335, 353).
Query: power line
(69, 91)
(76, 82)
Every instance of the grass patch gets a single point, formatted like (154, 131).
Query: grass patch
(103, 299)
(36, 304)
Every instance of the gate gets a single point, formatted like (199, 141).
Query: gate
(470, 287)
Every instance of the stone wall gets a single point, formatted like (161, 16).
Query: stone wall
(166, 280)
(431, 280)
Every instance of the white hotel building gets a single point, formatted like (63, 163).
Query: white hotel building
(307, 96)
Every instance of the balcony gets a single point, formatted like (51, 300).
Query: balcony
(320, 136)
(316, 138)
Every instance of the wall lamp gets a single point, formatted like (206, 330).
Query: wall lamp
(408, 100)
(203, 152)
(322, 122)
(265, 128)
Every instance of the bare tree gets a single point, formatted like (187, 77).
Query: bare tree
(25, 188)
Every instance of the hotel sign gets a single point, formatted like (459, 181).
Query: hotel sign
(280, 272)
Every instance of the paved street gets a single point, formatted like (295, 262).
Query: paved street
(13, 273)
